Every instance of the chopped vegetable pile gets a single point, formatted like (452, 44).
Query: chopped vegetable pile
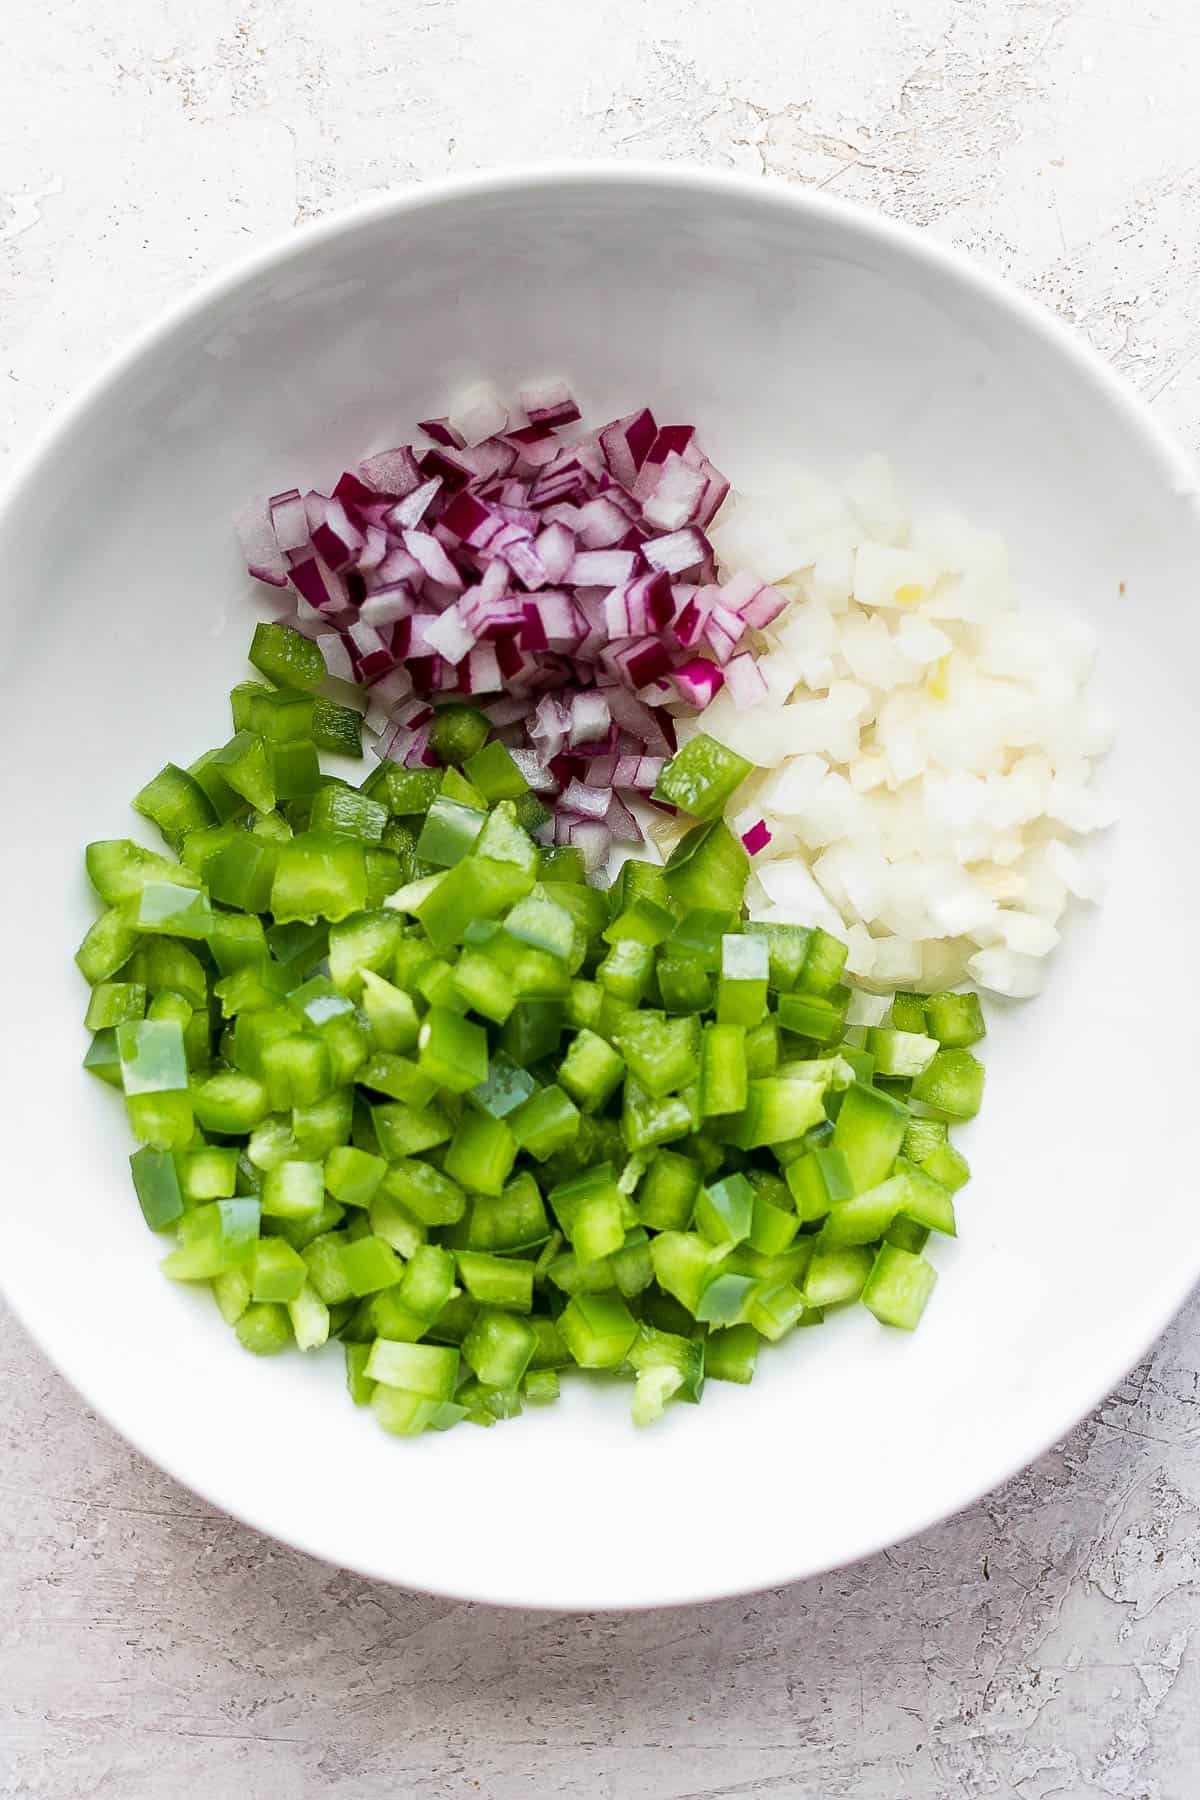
(401, 1076)
(566, 585)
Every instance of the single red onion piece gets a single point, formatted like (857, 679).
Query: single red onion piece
(678, 551)
(590, 717)
(621, 822)
(392, 472)
(480, 672)
(601, 771)
(371, 650)
(639, 661)
(676, 496)
(625, 444)
(394, 687)
(594, 840)
(757, 838)
(724, 631)
(335, 537)
(433, 559)
(555, 547)
(479, 414)
(308, 580)
(589, 802)
(449, 636)
(549, 405)
(539, 777)
(334, 650)
(419, 755)
(602, 568)
(260, 547)
(746, 682)
(354, 493)
(375, 548)
(442, 432)
(411, 510)
(698, 681)
(383, 606)
(289, 520)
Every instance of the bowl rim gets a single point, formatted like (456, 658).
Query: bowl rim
(911, 242)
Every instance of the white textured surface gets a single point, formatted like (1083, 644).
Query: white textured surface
(1039, 1644)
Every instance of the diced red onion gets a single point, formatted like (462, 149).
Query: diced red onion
(639, 661)
(698, 682)
(549, 405)
(410, 511)
(757, 838)
(589, 802)
(480, 414)
(621, 822)
(449, 636)
(590, 717)
(678, 551)
(676, 496)
(626, 443)
(600, 523)
(392, 472)
(595, 841)
(432, 558)
(602, 771)
(752, 600)
(442, 432)
(260, 547)
(746, 682)
(335, 537)
(724, 631)
(332, 646)
(383, 606)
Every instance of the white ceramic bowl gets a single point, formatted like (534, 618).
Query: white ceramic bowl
(786, 326)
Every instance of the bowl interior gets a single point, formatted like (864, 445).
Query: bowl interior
(789, 331)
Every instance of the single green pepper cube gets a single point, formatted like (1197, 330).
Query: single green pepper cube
(287, 657)
(540, 1387)
(731, 1355)
(742, 986)
(476, 888)
(237, 941)
(405, 1130)
(817, 1181)
(778, 1108)
(369, 1265)
(955, 1020)
(108, 944)
(787, 952)
(119, 869)
(101, 1058)
(481, 1153)
(926, 1142)
(810, 1015)
(708, 868)
(647, 1120)
(532, 1031)
(547, 926)
(504, 1281)
(906, 1234)
(152, 1056)
(175, 802)
(309, 1318)
(425, 1369)
(277, 1272)
(643, 920)
(702, 777)
(582, 1003)
(725, 1299)
(353, 1176)
(336, 727)
(281, 717)
(724, 1210)
(666, 1196)
(214, 1237)
(898, 1287)
(231, 1291)
(869, 1131)
(865, 1217)
(772, 1227)
(319, 875)
(114, 1003)
(685, 1264)
(173, 910)
(294, 771)
(662, 1054)
(515, 1219)
(762, 1048)
(230, 1102)
(431, 1196)
(458, 731)
(597, 1228)
(323, 1261)
(546, 1122)
(494, 774)
(156, 1183)
(243, 765)
(208, 1172)
(264, 1328)
(506, 1086)
(200, 848)
(499, 1347)
(926, 1202)
(390, 1013)
(359, 1387)
(505, 839)
(723, 1071)
(242, 873)
(346, 810)
(323, 1124)
(452, 1051)
(626, 971)
(483, 986)
(774, 1309)
(683, 985)
(836, 1276)
(563, 863)
(900, 1053)
(952, 1084)
(296, 1069)
(588, 906)
(449, 832)
(598, 1330)
(908, 1012)
(292, 1190)
(407, 792)
(697, 937)
(591, 1071)
(823, 963)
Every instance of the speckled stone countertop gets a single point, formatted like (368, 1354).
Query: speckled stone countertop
(1038, 1645)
